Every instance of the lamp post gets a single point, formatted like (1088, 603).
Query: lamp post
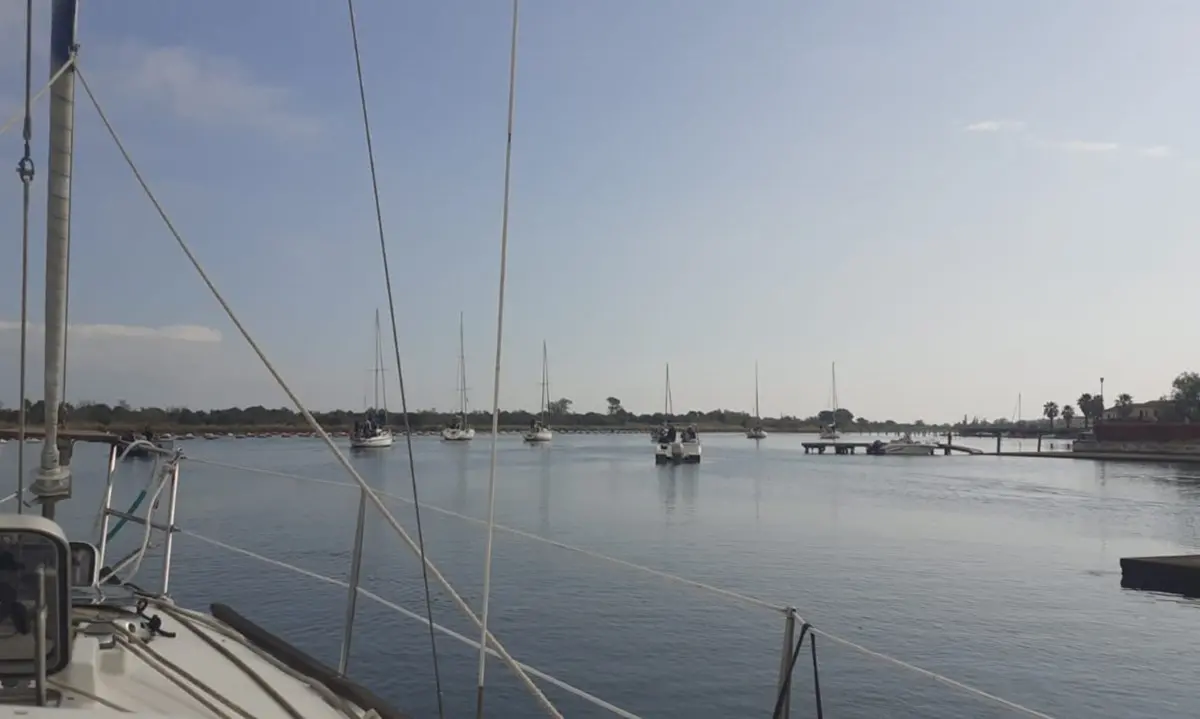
(1102, 407)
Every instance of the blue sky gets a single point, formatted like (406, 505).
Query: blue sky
(956, 202)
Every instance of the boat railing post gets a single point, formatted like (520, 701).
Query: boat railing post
(106, 514)
(352, 597)
(168, 542)
(785, 662)
(39, 638)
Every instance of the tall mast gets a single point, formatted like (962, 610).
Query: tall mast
(378, 354)
(756, 413)
(462, 368)
(53, 481)
(833, 375)
(667, 408)
(545, 383)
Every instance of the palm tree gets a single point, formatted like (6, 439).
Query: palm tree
(1050, 410)
(1086, 404)
(1124, 405)
(1068, 414)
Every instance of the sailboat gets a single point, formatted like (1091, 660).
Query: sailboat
(372, 430)
(540, 431)
(459, 430)
(830, 431)
(675, 446)
(756, 430)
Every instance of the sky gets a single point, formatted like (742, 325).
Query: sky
(956, 203)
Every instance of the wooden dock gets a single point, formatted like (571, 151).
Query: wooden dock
(838, 447)
(852, 447)
(1174, 574)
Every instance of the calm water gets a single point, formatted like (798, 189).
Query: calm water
(999, 572)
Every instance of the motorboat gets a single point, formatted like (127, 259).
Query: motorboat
(903, 445)
(678, 448)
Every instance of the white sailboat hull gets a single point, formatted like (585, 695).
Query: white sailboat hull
(756, 433)
(677, 452)
(829, 434)
(541, 435)
(450, 434)
(380, 439)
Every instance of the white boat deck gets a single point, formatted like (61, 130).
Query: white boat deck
(111, 673)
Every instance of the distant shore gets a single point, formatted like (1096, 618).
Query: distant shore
(259, 430)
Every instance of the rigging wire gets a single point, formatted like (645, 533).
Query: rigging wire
(25, 171)
(491, 533)
(387, 277)
(311, 421)
(20, 114)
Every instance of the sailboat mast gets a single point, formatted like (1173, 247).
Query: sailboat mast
(462, 368)
(53, 477)
(545, 383)
(756, 412)
(378, 355)
(668, 409)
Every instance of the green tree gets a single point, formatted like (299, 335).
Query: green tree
(1068, 414)
(1185, 393)
(559, 407)
(1124, 405)
(1085, 408)
(1097, 407)
(1050, 410)
(614, 407)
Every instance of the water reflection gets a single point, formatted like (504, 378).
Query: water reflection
(679, 483)
(460, 464)
(689, 480)
(544, 491)
(667, 490)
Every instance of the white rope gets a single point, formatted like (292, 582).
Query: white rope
(53, 79)
(491, 504)
(966, 688)
(307, 415)
(590, 698)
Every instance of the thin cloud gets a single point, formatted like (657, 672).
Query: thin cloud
(1155, 151)
(212, 90)
(1086, 146)
(173, 333)
(995, 126)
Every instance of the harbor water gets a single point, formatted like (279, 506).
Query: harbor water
(998, 572)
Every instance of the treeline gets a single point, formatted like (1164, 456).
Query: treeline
(121, 416)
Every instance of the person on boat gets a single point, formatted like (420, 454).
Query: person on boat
(671, 433)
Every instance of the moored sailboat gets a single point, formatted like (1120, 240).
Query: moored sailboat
(756, 430)
(459, 429)
(373, 430)
(540, 431)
